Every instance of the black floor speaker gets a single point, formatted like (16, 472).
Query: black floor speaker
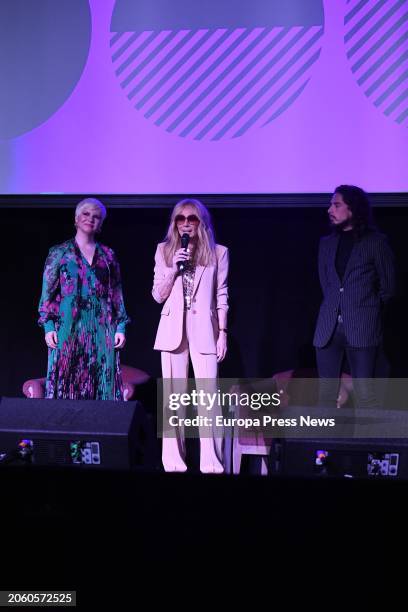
(77, 434)
(377, 458)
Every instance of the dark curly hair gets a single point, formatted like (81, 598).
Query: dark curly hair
(359, 204)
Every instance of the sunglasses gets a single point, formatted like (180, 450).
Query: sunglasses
(189, 219)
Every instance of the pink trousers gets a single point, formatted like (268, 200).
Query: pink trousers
(175, 366)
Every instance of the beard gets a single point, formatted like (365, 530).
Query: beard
(340, 227)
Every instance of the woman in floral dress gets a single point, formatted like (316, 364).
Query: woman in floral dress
(83, 314)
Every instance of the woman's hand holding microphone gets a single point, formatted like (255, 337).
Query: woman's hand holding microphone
(180, 256)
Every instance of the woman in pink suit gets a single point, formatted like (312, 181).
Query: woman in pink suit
(193, 322)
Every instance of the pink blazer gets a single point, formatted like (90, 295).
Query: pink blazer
(210, 293)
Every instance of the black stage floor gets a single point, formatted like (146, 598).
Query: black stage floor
(111, 534)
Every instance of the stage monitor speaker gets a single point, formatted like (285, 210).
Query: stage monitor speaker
(91, 434)
(385, 458)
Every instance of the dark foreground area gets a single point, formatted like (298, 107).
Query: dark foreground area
(117, 536)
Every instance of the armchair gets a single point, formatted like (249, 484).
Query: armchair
(132, 377)
(303, 391)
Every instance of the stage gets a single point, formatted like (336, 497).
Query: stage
(106, 534)
(217, 191)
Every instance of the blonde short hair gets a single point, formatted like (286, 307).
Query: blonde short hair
(90, 202)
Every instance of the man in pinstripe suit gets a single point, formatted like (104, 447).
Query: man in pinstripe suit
(357, 277)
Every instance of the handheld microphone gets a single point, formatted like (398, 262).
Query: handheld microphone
(185, 239)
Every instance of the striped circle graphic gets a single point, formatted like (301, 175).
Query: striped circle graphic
(213, 77)
(376, 40)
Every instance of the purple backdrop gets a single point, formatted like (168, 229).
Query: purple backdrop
(279, 105)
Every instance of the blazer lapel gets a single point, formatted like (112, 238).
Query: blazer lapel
(197, 277)
(332, 254)
(178, 288)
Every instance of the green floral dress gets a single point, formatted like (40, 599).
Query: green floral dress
(83, 303)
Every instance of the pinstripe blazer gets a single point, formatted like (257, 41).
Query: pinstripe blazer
(368, 283)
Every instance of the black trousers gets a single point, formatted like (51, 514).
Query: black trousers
(362, 367)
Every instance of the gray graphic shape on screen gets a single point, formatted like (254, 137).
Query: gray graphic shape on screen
(215, 70)
(44, 47)
(376, 41)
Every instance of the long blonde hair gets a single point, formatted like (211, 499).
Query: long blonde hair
(205, 251)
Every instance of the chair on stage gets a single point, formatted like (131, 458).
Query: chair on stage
(296, 388)
(132, 377)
